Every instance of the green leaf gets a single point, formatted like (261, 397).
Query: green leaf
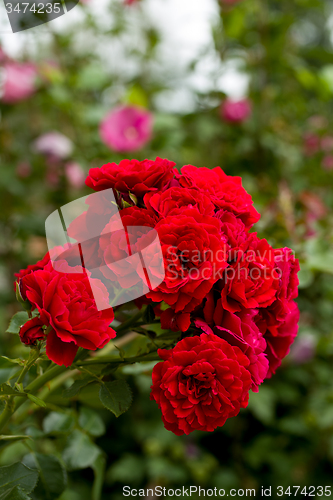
(14, 494)
(116, 396)
(52, 475)
(91, 422)
(17, 475)
(7, 390)
(80, 452)
(17, 321)
(16, 361)
(58, 423)
(75, 388)
(37, 401)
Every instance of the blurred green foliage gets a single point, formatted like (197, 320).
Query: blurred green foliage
(285, 436)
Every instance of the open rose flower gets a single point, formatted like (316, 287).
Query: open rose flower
(225, 191)
(194, 253)
(250, 280)
(238, 329)
(18, 81)
(174, 198)
(66, 304)
(201, 382)
(127, 128)
(132, 176)
(279, 321)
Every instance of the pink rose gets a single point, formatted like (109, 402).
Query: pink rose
(235, 111)
(75, 175)
(19, 81)
(127, 128)
(54, 144)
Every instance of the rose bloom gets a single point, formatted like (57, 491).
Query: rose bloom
(114, 245)
(236, 111)
(32, 332)
(238, 329)
(311, 144)
(225, 191)
(194, 253)
(127, 128)
(18, 81)
(132, 176)
(250, 280)
(75, 175)
(279, 321)
(54, 144)
(65, 303)
(327, 162)
(201, 383)
(171, 200)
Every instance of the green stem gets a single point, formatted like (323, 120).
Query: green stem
(151, 356)
(129, 322)
(10, 404)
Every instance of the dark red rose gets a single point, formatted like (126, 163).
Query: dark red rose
(233, 228)
(238, 329)
(175, 321)
(174, 198)
(66, 303)
(194, 253)
(137, 177)
(117, 247)
(201, 382)
(32, 331)
(279, 321)
(33, 267)
(250, 280)
(278, 345)
(225, 191)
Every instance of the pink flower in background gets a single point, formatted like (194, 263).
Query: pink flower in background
(130, 2)
(18, 81)
(127, 128)
(311, 144)
(75, 175)
(327, 162)
(54, 144)
(23, 169)
(327, 143)
(303, 349)
(236, 111)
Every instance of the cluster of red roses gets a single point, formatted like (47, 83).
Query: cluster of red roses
(229, 292)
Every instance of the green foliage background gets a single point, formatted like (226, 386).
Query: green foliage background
(285, 437)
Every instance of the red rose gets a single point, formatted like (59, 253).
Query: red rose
(118, 248)
(250, 280)
(137, 177)
(279, 321)
(225, 191)
(201, 382)
(233, 228)
(66, 303)
(278, 345)
(174, 198)
(194, 258)
(33, 267)
(175, 322)
(32, 331)
(238, 329)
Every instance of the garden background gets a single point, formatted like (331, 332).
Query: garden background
(181, 63)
